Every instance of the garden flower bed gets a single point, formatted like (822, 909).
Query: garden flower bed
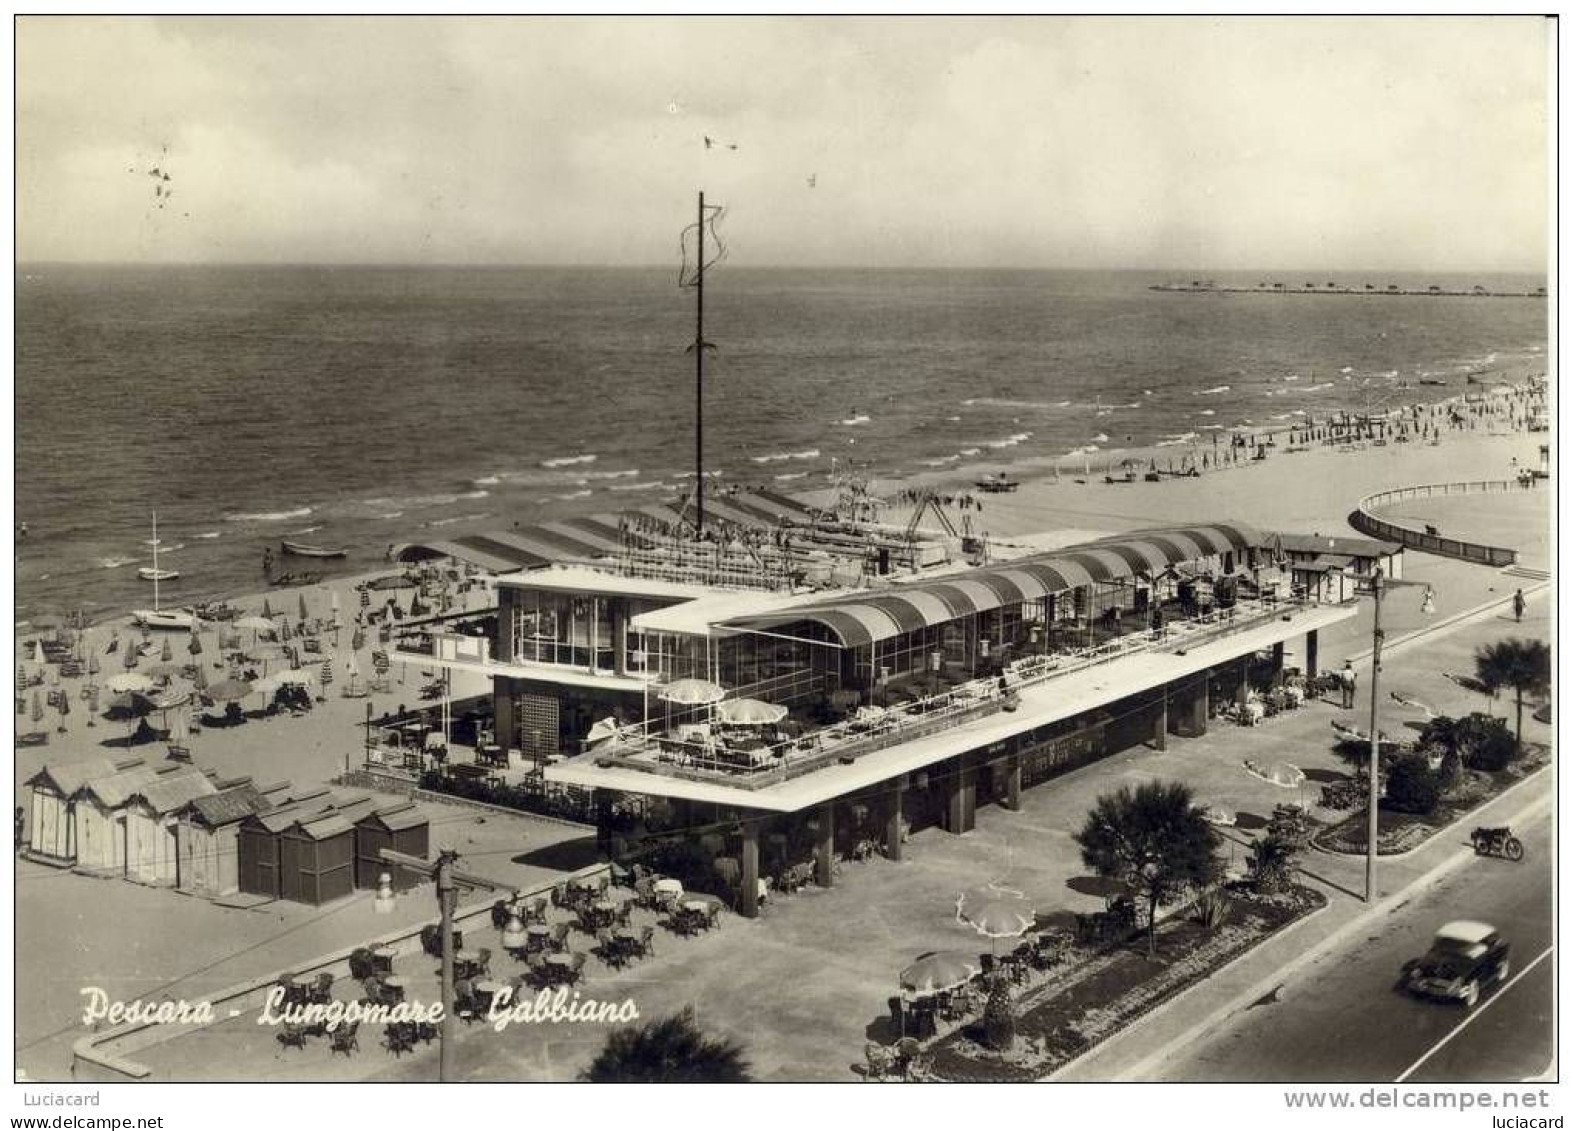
(1095, 994)
(1402, 832)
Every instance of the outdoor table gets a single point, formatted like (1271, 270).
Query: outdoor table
(382, 958)
(535, 936)
(626, 935)
(395, 987)
(599, 913)
(464, 963)
(673, 886)
(698, 906)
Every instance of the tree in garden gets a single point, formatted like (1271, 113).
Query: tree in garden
(1271, 862)
(670, 1050)
(999, 1016)
(1412, 785)
(1524, 666)
(1152, 841)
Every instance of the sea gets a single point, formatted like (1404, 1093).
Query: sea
(370, 406)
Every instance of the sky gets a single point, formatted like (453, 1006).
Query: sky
(1108, 143)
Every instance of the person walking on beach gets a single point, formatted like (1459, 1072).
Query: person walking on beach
(1347, 682)
(1518, 605)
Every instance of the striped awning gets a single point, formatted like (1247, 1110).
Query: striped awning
(600, 535)
(860, 619)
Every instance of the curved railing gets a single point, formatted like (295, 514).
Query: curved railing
(1428, 541)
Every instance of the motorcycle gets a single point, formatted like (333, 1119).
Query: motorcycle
(1497, 842)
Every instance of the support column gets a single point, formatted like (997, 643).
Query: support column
(824, 845)
(962, 804)
(1160, 723)
(1278, 663)
(1242, 689)
(893, 819)
(1013, 783)
(1189, 718)
(503, 733)
(619, 613)
(1311, 642)
(748, 898)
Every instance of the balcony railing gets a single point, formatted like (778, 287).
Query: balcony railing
(757, 765)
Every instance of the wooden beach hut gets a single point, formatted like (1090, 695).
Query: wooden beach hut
(401, 827)
(258, 858)
(207, 835)
(152, 851)
(101, 807)
(51, 824)
(317, 857)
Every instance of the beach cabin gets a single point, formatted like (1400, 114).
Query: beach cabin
(52, 835)
(152, 852)
(207, 835)
(101, 807)
(401, 827)
(1332, 569)
(317, 859)
(259, 849)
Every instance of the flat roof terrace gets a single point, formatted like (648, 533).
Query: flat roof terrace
(971, 721)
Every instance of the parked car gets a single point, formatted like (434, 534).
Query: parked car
(1464, 958)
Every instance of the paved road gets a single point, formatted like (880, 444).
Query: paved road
(1341, 1020)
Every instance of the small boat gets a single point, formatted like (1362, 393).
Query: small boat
(295, 579)
(148, 573)
(997, 483)
(177, 619)
(1432, 381)
(303, 550)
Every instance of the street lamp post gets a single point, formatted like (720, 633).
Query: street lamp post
(1379, 583)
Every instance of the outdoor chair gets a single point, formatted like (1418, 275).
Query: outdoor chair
(559, 936)
(625, 913)
(647, 941)
(399, 1038)
(576, 972)
(538, 909)
(292, 1036)
(322, 989)
(712, 916)
(344, 1039)
(907, 1051)
(483, 962)
(500, 914)
(535, 969)
(606, 948)
(644, 891)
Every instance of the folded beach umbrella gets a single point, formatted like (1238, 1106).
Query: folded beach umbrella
(305, 612)
(267, 609)
(194, 643)
(164, 653)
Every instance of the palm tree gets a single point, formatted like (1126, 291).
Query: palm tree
(671, 1050)
(1523, 665)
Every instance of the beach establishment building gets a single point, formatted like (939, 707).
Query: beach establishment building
(102, 806)
(152, 850)
(1330, 569)
(781, 724)
(321, 848)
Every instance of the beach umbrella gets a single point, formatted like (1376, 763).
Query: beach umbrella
(63, 703)
(194, 643)
(995, 912)
(255, 624)
(38, 652)
(163, 673)
(750, 712)
(129, 681)
(267, 609)
(164, 653)
(939, 971)
(37, 713)
(229, 690)
(93, 666)
(305, 612)
(691, 693)
(1217, 815)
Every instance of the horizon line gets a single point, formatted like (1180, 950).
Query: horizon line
(20, 265)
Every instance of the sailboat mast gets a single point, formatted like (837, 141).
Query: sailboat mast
(699, 379)
(155, 561)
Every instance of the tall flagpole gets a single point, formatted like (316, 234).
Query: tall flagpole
(699, 381)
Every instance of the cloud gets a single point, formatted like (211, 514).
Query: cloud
(1023, 142)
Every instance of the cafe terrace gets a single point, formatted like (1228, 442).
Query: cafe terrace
(769, 719)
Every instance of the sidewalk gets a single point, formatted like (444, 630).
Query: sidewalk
(1135, 1051)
